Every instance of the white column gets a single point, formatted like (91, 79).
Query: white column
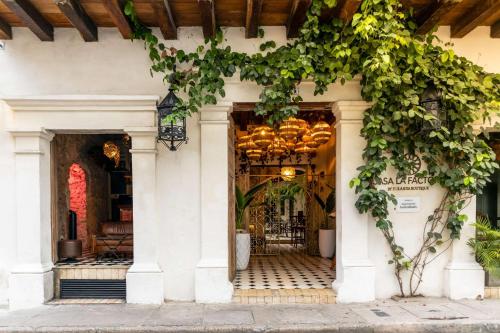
(211, 278)
(355, 279)
(463, 276)
(31, 280)
(144, 278)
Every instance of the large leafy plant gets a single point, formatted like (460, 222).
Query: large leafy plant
(396, 66)
(243, 201)
(486, 246)
(327, 205)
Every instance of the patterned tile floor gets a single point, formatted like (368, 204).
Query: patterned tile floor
(90, 261)
(290, 270)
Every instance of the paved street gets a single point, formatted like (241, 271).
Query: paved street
(416, 315)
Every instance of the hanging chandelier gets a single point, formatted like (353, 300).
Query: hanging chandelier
(278, 147)
(309, 141)
(263, 136)
(289, 129)
(294, 136)
(321, 132)
(302, 148)
(288, 173)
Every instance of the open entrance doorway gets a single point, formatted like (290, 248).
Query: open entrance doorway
(92, 224)
(284, 178)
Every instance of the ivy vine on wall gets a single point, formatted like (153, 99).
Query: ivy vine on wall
(396, 67)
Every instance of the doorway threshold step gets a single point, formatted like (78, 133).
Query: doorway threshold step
(284, 296)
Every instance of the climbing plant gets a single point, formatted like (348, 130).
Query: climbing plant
(396, 66)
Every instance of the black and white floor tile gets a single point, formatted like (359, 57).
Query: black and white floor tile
(290, 269)
(90, 261)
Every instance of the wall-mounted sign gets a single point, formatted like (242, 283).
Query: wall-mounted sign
(411, 182)
(408, 204)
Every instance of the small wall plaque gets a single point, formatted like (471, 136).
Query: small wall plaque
(408, 204)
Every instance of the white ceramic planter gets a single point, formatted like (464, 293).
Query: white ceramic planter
(326, 242)
(242, 250)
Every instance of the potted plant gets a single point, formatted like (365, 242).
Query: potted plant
(486, 246)
(242, 235)
(326, 233)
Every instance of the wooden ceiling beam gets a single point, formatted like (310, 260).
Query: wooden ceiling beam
(433, 15)
(30, 17)
(495, 30)
(165, 19)
(5, 30)
(474, 17)
(347, 9)
(297, 17)
(115, 11)
(75, 13)
(254, 8)
(207, 13)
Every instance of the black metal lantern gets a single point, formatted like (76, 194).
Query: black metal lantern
(431, 102)
(171, 133)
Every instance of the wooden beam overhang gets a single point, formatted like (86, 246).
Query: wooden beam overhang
(165, 19)
(297, 17)
(30, 16)
(495, 30)
(207, 13)
(115, 11)
(473, 18)
(5, 30)
(347, 9)
(433, 15)
(75, 13)
(254, 8)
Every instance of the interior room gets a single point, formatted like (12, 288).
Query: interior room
(92, 229)
(287, 173)
(488, 202)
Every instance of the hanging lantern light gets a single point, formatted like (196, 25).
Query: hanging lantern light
(263, 136)
(278, 147)
(289, 128)
(112, 152)
(431, 102)
(290, 145)
(244, 142)
(321, 132)
(288, 173)
(303, 127)
(301, 148)
(309, 141)
(254, 154)
(171, 133)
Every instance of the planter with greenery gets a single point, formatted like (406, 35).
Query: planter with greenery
(326, 232)
(243, 246)
(486, 246)
(396, 65)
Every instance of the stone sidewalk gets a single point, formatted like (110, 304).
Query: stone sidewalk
(415, 315)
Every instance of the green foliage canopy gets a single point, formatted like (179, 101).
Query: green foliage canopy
(395, 66)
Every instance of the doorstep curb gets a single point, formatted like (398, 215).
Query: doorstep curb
(441, 327)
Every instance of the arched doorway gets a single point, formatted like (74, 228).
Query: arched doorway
(77, 186)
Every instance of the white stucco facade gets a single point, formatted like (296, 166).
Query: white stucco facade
(69, 86)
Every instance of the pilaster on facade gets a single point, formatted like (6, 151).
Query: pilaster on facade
(31, 279)
(211, 277)
(355, 280)
(145, 277)
(462, 269)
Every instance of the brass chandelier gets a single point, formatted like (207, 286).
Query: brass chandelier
(293, 136)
